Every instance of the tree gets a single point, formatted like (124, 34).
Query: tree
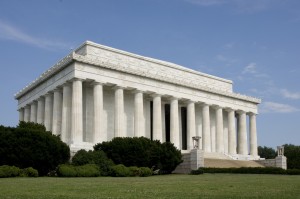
(266, 152)
(292, 154)
(29, 145)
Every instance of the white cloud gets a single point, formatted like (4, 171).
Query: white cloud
(9, 32)
(241, 6)
(290, 95)
(228, 60)
(250, 68)
(273, 107)
(229, 46)
(207, 2)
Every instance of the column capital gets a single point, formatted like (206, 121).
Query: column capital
(156, 95)
(240, 111)
(135, 91)
(251, 114)
(48, 93)
(93, 83)
(67, 83)
(173, 98)
(57, 89)
(118, 87)
(216, 107)
(32, 102)
(187, 101)
(76, 79)
(40, 98)
(205, 104)
(228, 109)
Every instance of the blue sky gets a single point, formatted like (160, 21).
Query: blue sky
(255, 43)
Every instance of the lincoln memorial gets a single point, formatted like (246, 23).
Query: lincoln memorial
(97, 93)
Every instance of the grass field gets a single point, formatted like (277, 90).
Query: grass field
(168, 186)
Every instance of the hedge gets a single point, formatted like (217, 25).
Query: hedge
(88, 170)
(13, 171)
(249, 170)
(122, 171)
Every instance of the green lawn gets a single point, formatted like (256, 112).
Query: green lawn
(168, 186)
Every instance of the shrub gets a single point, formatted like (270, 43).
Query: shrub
(145, 171)
(120, 171)
(88, 170)
(29, 172)
(246, 170)
(134, 171)
(197, 172)
(99, 158)
(293, 171)
(9, 171)
(29, 145)
(141, 152)
(65, 170)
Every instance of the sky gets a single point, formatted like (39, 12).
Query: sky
(254, 43)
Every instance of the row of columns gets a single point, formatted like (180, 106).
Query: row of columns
(61, 111)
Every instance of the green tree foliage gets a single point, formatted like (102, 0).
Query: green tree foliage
(142, 152)
(292, 154)
(32, 126)
(266, 152)
(29, 145)
(83, 157)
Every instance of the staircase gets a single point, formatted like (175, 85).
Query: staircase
(227, 163)
(214, 155)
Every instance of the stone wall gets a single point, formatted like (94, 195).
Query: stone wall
(191, 161)
(279, 161)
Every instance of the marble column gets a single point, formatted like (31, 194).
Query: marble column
(253, 134)
(33, 112)
(98, 136)
(66, 113)
(27, 113)
(119, 112)
(48, 111)
(77, 117)
(219, 130)
(191, 124)
(206, 142)
(21, 114)
(174, 123)
(40, 110)
(139, 122)
(242, 134)
(57, 112)
(231, 132)
(157, 118)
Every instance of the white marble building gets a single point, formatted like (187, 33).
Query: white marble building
(97, 93)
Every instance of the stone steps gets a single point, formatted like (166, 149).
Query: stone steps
(218, 163)
(215, 155)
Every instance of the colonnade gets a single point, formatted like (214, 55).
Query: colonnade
(61, 112)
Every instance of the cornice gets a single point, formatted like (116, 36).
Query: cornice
(109, 65)
(85, 59)
(48, 73)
